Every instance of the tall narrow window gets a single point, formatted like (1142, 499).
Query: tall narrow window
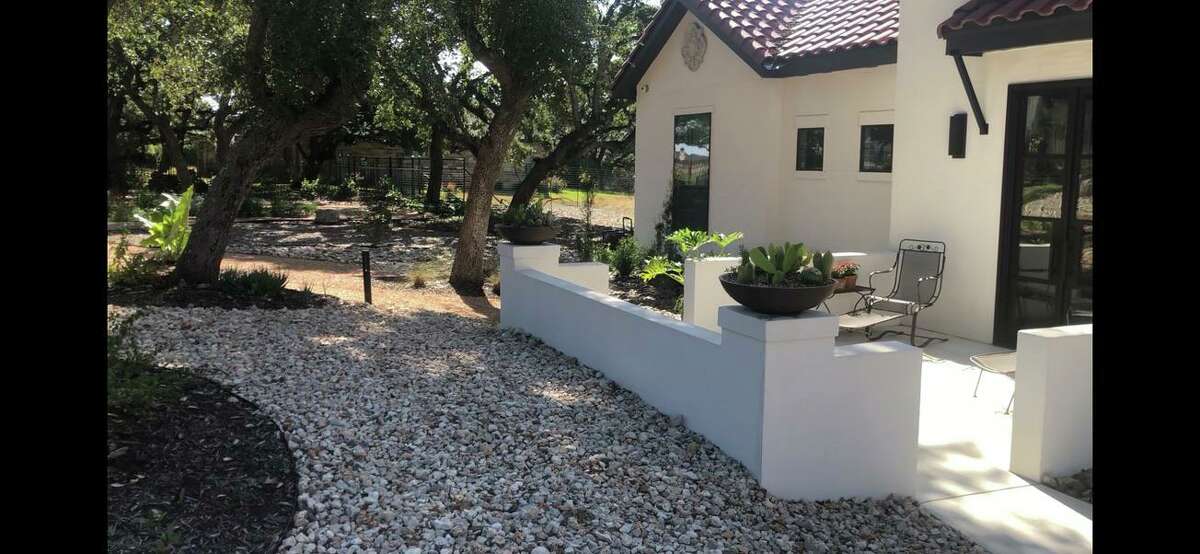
(875, 149)
(810, 149)
(689, 172)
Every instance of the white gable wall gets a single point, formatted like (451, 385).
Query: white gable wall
(836, 209)
(937, 197)
(754, 186)
(745, 113)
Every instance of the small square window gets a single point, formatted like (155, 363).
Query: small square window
(875, 149)
(810, 149)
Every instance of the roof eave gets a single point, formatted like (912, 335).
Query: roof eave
(1028, 31)
(855, 58)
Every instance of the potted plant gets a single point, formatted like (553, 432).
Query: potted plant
(781, 280)
(531, 223)
(846, 274)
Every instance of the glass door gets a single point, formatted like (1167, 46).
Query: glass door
(1046, 272)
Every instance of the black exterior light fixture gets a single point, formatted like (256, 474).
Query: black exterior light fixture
(958, 135)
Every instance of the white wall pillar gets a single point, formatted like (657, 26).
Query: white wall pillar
(702, 290)
(1052, 410)
(836, 421)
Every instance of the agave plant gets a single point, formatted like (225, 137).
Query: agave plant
(778, 262)
(168, 225)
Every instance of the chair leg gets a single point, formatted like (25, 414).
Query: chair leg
(976, 393)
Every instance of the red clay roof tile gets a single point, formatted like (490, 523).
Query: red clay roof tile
(981, 13)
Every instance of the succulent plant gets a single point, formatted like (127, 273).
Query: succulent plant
(780, 261)
(811, 276)
(824, 263)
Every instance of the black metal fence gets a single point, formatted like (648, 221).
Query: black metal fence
(409, 175)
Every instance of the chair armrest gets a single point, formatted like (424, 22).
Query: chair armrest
(872, 275)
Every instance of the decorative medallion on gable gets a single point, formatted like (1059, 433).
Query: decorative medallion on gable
(694, 45)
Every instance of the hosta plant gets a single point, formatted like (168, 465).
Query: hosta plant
(168, 225)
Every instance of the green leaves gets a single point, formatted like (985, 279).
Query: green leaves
(660, 265)
(168, 225)
(534, 214)
(778, 262)
(690, 241)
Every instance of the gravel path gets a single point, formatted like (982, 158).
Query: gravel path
(428, 432)
(403, 250)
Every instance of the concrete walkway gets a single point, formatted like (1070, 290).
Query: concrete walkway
(964, 461)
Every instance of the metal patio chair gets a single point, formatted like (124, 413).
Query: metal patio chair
(918, 268)
(1000, 363)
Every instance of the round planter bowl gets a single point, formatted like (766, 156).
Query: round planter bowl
(526, 235)
(776, 300)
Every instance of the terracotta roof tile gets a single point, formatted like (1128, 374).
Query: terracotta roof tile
(776, 31)
(980, 13)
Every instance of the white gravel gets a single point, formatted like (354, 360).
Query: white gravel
(400, 252)
(428, 432)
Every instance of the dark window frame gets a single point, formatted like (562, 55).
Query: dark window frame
(862, 139)
(821, 159)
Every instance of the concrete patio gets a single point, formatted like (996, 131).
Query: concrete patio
(963, 468)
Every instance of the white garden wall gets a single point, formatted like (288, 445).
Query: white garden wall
(808, 419)
(1052, 409)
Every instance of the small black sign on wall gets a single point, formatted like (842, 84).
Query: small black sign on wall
(958, 135)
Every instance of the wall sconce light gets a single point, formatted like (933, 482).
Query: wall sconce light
(958, 135)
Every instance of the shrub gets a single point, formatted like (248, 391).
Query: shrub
(253, 207)
(285, 205)
(625, 258)
(554, 183)
(131, 270)
(120, 208)
(310, 189)
(258, 283)
(168, 226)
(451, 206)
(418, 280)
(133, 383)
(347, 189)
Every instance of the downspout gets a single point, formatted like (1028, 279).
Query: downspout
(974, 100)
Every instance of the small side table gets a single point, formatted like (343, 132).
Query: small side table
(861, 291)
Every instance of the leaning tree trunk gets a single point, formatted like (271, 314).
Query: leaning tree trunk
(201, 258)
(569, 148)
(433, 191)
(468, 272)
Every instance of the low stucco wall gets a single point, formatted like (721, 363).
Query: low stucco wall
(808, 419)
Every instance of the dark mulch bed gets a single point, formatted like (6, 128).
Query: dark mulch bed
(200, 471)
(660, 295)
(187, 297)
(1078, 485)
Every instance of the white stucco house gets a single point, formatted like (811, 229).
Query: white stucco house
(852, 124)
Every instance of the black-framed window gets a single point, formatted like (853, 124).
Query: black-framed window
(810, 149)
(875, 149)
